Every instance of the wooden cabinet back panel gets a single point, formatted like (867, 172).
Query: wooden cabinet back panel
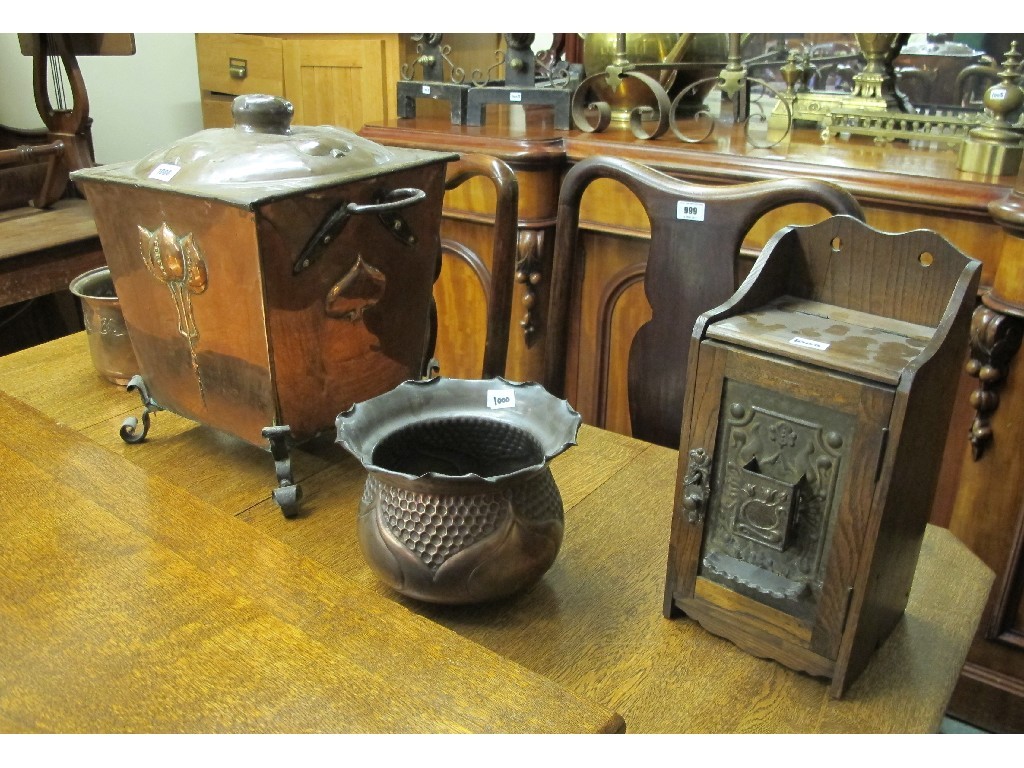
(335, 82)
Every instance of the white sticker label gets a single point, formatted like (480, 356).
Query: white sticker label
(426, 90)
(501, 398)
(164, 172)
(690, 211)
(809, 343)
(515, 96)
(997, 93)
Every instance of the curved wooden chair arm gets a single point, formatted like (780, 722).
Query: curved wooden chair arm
(502, 272)
(56, 178)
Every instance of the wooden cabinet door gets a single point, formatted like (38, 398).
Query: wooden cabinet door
(775, 548)
(336, 81)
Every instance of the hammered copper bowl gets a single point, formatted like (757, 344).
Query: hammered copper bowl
(459, 504)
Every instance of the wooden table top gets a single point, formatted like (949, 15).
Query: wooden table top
(592, 626)
(130, 606)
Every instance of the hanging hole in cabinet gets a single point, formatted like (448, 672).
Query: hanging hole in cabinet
(837, 244)
(925, 259)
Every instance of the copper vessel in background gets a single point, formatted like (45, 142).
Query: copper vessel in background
(109, 345)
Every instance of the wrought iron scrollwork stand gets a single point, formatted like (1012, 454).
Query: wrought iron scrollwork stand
(528, 80)
(733, 82)
(431, 58)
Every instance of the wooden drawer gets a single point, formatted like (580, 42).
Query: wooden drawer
(236, 64)
(217, 110)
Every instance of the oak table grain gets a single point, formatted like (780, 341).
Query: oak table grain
(128, 605)
(592, 626)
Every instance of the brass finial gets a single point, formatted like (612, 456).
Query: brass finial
(792, 73)
(995, 147)
(1006, 96)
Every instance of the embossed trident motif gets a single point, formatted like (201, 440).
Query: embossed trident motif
(178, 263)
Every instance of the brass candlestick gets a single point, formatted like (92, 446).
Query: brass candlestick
(874, 88)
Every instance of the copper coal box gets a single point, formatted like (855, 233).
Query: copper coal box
(271, 276)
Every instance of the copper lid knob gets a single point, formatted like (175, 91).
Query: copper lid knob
(260, 113)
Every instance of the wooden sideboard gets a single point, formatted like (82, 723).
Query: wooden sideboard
(900, 187)
(336, 79)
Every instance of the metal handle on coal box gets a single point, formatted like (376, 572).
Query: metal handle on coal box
(393, 200)
(335, 221)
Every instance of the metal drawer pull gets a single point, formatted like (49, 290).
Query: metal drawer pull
(238, 68)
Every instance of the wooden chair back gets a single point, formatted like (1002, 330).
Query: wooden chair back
(498, 280)
(696, 235)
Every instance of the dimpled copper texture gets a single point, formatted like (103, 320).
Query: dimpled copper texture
(436, 527)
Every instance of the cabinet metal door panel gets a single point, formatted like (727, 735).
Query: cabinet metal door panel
(794, 465)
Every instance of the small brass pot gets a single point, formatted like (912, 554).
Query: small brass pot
(460, 505)
(111, 349)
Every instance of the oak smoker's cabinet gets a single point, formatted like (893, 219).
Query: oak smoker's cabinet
(818, 400)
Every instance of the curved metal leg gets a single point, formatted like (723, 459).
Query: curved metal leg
(129, 429)
(287, 494)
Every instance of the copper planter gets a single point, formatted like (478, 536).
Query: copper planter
(460, 505)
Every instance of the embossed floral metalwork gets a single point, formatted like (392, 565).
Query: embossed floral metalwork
(775, 488)
(782, 434)
(178, 263)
